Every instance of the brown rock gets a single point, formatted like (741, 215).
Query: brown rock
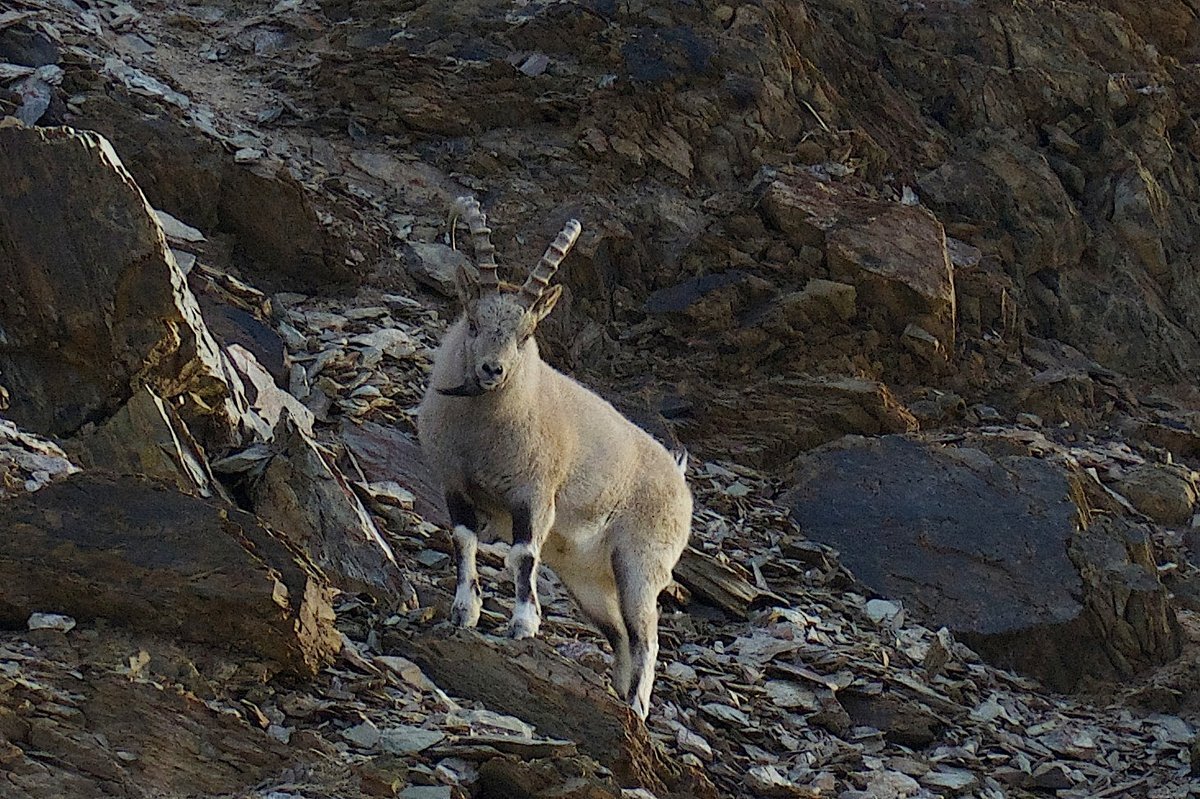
(897, 259)
(895, 255)
(1006, 180)
(146, 437)
(1167, 494)
(766, 422)
(820, 301)
(94, 305)
(901, 719)
(387, 454)
(529, 680)
(143, 556)
(274, 231)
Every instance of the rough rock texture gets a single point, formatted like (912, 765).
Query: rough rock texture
(993, 549)
(562, 700)
(763, 423)
(1167, 494)
(28, 462)
(303, 494)
(80, 333)
(895, 255)
(269, 222)
(388, 454)
(118, 733)
(1045, 148)
(147, 437)
(144, 556)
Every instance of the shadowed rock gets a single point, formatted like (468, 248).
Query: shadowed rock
(141, 555)
(93, 303)
(998, 550)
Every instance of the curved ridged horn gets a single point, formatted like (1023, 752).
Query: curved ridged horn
(481, 239)
(541, 275)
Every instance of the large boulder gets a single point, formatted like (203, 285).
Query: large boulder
(93, 304)
(1001, 550)
(142, 555)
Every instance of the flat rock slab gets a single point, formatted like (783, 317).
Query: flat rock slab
(993, 548)
(531, 681)
(144, 556)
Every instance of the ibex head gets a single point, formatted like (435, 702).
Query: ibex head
(500, 322)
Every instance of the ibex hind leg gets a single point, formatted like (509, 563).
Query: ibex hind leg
(597, 597)
(468, 599)
(638, 594)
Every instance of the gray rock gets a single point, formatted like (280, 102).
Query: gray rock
(434, 265)
(991, 549)
(403, 739)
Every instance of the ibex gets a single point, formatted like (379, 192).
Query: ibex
(527, 454)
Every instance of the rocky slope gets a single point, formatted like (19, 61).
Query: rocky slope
(913, 282)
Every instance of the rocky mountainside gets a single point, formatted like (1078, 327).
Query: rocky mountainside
(913, 282)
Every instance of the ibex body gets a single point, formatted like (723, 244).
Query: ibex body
(527, 454)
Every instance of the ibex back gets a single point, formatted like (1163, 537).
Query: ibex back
(527, 454)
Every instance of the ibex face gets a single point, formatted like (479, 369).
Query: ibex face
(499, 334)
(500, 324)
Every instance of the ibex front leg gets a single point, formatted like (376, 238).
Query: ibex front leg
(468, 600)
(531, 524)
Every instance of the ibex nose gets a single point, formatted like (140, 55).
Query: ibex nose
(492, 370)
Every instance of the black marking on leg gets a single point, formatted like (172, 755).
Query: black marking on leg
(462, 512)
(463, 571)
(522, 525)
(637, 641)
(525, 579)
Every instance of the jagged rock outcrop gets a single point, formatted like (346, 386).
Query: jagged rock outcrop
(1001, 550)
(259, 208)
(94, 304)
(895, 255)
(142, 555)
(301, 492)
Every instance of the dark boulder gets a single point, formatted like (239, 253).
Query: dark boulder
(1002, 551)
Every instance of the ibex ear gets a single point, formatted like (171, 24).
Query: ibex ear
(545, 303)
(467, 283)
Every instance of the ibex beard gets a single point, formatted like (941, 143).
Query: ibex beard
(526, 454)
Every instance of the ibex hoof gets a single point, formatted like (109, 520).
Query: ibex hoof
(465, 610)
(525, 622)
